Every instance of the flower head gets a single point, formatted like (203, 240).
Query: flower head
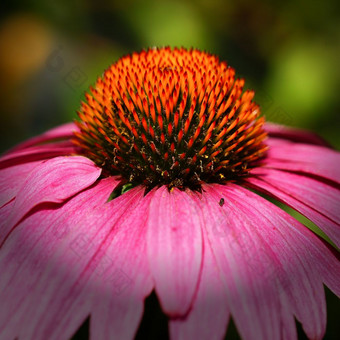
(172, 117)
(197, 227)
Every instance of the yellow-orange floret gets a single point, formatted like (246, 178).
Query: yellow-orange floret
(171, 116)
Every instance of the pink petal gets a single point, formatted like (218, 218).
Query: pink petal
(41, 262)
(174, 249)
(12, 179)
(119, 296)
(271, 264)
(294, 134)
(330, 272)
(311, 159)
(37, 153)
(316, 200)
(209, 315)
(89, 256)
(112, 249)
(65, 131)
(54, 181)
(245, 269)
(5, 213)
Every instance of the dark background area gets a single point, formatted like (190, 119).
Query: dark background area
(52, 51)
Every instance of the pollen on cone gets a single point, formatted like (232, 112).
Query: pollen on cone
(171, 116)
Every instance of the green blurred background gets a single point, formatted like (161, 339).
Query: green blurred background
(52, 51)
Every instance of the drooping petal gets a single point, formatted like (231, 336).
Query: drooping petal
(293, 134)
(174, 243)
(89, 256)
(54, 181)
(5, 213)
(265, 253)
(316, 200)
(245, 269)
(116, 276)
(118, 300)
(330, 272)
(209, 315)
(12, 179)
(40, 285)
(310, 159)
(36, 153)
(64, 131)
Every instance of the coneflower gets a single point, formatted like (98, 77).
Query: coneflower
(162, 186)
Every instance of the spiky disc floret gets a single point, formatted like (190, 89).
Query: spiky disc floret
(176, 117)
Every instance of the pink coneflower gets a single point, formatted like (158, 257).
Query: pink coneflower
(196, 226)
